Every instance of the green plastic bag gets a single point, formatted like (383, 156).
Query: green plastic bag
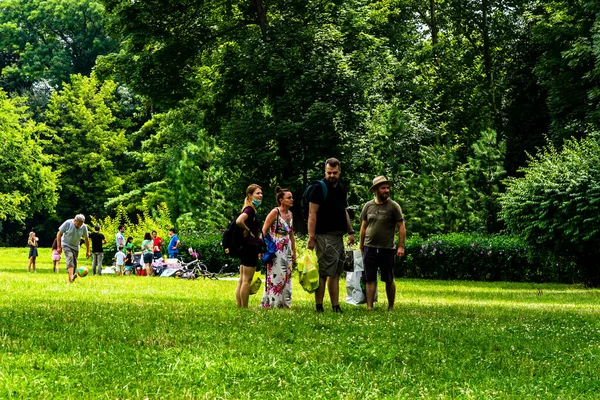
(255, 283)
(308, 269)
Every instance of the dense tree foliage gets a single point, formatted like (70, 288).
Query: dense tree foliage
(89, 144)
(48, 40)
(27, 183)
(190, 101)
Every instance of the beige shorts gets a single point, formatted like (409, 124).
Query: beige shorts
(71, 257)
(330, 253)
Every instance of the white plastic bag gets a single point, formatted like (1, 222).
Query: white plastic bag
(356, 292)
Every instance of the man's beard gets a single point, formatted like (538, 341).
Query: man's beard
(382, 197)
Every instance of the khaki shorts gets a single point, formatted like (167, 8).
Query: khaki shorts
(71, 257)
(330, 253)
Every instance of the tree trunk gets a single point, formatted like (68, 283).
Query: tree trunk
(261, 15)
(487, 57)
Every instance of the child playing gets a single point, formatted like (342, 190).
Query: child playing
(129, 256)
(119, 260)
(55, 257)
(33, 252)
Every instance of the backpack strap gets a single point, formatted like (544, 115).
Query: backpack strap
(323, 189)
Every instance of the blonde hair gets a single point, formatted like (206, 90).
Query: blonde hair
(249, 192)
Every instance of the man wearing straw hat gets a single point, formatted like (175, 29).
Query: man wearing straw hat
(380, 217)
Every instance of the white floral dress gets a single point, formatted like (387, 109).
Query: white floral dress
(278, 286)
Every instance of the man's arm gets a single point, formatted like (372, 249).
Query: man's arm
(350, 230)
(58, 245)
(401, 238)
(312, 224)
(87, 247)
(363, 232)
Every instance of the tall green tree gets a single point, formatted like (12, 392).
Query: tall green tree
(438, 197)
(569, 66)
(280, 85)
(27, 183)
(89, 145)
(48, 40)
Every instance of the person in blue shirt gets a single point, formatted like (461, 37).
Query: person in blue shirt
(174, 243)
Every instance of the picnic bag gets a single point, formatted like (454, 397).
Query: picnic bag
(255, 283)
(309, 271)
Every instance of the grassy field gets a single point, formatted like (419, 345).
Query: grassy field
(135, 337)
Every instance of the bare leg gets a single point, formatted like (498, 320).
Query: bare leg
(238, 298)
(370, 294)
(34, 269)
(390, 290)
(72, 275)
(247, 273)
(333, 285)
(320, 292)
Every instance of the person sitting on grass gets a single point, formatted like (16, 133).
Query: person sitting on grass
(119, 260)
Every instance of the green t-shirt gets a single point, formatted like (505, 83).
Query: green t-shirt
(382, 220)
(147, 246)
(128, 246)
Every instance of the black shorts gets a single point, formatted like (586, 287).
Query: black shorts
(249, 255)
(148, 258)
(383, 259)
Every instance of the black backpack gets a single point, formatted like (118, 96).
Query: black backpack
(233, 238)
(305, 203)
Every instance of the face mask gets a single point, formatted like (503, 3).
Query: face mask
(256, 202)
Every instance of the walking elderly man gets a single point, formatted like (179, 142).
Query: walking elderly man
(328, 222)
(68, 238)
(380, 217)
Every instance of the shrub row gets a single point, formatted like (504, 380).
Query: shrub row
(482, 258)
(455, 256)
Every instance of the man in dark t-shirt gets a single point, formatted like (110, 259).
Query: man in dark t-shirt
(380, 218)
(328, 222)
(98, 240)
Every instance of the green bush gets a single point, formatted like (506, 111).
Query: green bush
(482, 258)
(554, 205)
(209, 249)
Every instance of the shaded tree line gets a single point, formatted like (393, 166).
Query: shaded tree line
(187, 102)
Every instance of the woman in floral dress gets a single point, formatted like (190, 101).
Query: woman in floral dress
(278, 287)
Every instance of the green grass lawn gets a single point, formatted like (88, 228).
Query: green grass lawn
(136, 337)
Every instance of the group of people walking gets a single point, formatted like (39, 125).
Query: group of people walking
(328, 223)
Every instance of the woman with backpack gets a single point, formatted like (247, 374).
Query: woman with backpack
(252, 244)
(278, 224)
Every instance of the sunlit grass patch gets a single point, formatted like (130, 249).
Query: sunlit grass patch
(138, 337)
